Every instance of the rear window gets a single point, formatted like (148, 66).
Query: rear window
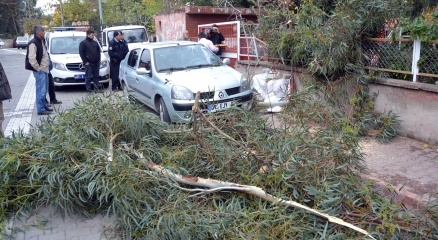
(22, 39)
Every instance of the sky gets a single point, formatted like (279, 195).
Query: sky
(44, 5)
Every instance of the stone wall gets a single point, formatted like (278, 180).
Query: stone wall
(416, 104)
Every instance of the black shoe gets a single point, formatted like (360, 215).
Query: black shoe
(44, 113)
(49, 109)
(49, 105)
(55, 102)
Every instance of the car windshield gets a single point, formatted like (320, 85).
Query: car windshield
(131, 35)
(22, 39)
(65, 45)
(177, 58)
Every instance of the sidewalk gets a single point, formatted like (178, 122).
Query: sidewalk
(410, 166)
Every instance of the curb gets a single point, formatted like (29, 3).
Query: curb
(409, 199)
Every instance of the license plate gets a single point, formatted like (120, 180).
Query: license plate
(218, 106)
(80, 76)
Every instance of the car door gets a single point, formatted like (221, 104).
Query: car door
(145, 81)
(131, 76)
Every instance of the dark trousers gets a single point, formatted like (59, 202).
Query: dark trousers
(92, 75)
(114, 74)
(52, 94)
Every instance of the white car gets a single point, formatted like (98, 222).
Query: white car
(167, 75)
(22, 42)
(68, 68)
(1, 43)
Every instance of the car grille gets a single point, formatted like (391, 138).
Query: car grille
(205, 95)
(232, 91)
(74, 67)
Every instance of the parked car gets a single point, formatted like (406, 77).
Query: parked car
(167, 75)
(1, 43)
(68, 68)
(22, 42)
(14, 43)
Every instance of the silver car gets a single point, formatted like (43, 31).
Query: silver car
(167, 75)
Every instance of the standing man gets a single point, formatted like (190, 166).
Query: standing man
(185, 36)
(125, 46)
(89, 51)
(207, 43)
(37, 60)
(116, 51)
(5, 94)
(217, 38)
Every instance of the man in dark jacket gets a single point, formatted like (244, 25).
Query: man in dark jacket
(217, 38)
(5, 94)
(117, 53)
(89, 51)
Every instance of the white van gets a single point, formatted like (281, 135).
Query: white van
(134, 35)
(68, 69)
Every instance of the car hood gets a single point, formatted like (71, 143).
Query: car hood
(71, 58)
(205, 79)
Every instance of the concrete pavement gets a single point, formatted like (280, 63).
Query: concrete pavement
(409, 166)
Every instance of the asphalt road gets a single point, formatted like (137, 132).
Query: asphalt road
(20, 111)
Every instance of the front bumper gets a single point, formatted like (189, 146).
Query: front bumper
(181, 112)
(67, 78)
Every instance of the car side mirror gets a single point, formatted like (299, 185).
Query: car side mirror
(143, 71)
(226, 61)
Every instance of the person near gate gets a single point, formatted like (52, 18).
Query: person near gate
(37, 60)
(5, 94)
(89, 51)
(117, 53)
(207, 43)
(217, 38)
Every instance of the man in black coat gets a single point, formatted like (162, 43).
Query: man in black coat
(217, 38)
(5, 94)
(117, 53)
(89, 51)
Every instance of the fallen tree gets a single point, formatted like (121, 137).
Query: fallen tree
(92, 159)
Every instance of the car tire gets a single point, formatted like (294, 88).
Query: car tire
(162, 111)
(56, 88)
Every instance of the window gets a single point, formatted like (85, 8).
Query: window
(133, 57)
(66, 45)
(145, 60)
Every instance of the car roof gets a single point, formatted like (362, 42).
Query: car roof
(123, 27)
(155, 45)
(67, 34)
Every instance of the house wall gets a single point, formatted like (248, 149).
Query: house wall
(170, 26)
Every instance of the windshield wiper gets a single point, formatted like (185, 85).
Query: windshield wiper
(172, 69)
(200, 66)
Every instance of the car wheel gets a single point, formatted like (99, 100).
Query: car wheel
(56, 88)
(105, 85)
(162, 110)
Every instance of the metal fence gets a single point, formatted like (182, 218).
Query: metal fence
(402, 59)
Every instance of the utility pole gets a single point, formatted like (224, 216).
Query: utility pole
(100, 15)
(62, 13)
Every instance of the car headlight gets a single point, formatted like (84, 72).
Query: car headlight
(103, 64)
(181, 93)
(59, 66)
(244, 84)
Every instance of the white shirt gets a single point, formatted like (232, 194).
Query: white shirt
(208, 44)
